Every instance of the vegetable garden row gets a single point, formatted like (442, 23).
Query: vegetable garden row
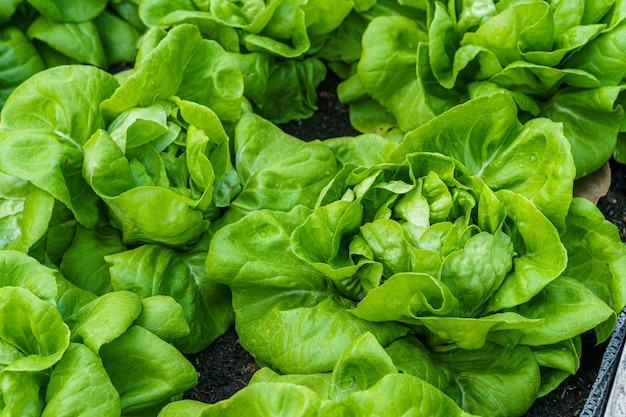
(435, 265)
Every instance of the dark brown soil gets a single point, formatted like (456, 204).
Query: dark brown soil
(225, 367)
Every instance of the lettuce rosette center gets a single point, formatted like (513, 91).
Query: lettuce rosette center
(173, 157)
(425, 243)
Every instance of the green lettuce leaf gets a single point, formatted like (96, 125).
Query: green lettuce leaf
(78, 42)
(119, 38)
(25, 212)
(19, 60)
(57, 108)
(64, 100)
(356, 386)
(267, 161)
(20, 270)
(52, 163)
(281, 90)
(260, 399)
(387, 69)
(104, 319)
(68, 11)
(275, 293)
(591, 110)
(83, 261)
(202, 73)
(80, 384)
(152, 270)
(173, 156)
(491, 381)
(596, 256)
(40, 340)
(484, 134)
(19, 392)
(146, 371)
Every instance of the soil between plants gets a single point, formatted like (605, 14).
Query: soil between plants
(225, 367)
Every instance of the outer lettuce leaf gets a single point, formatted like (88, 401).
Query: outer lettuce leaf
(53, 114)
(25, 213)
(119, 38)
(320, 383)
(261, 399)
(276, 170)
(213, 79)
(53, 164)
(590, 110)
(418, 398)
(20, 394)
(80, 384)
(20, 60)
(41, 339)
(607, 51)
(83, 261)
(357, 386)
(19, 270)
(281, 90)
(596, 258)
(69, 11)
(63, 100)
(79, 42)
(557, 362)
(151, 270)
(287, 314)
(146, 371)
(568, 309)
(490, 381)
(366, 114)
(359, 367)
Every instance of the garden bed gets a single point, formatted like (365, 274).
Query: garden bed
(225, 367)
